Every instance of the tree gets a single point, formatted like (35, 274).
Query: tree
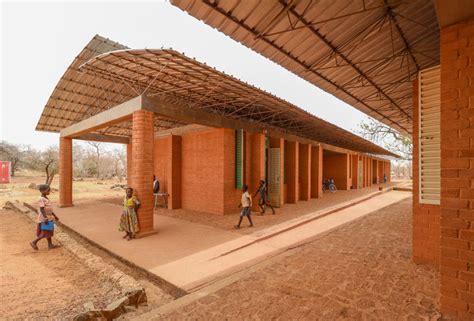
(392, 140)
(119, 157)
(15, 154)
(98, 149)
(46, 161)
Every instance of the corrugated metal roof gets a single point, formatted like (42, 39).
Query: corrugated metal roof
(105, 80)
(365, 52)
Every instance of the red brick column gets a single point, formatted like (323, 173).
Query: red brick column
(380, 172)
(376, 172)
(291, 158)
(364, 169)
(142, 166)
(174, 172)
(457, 170)
(65, 172)
(305, 171)
(257, 163)
(129, 164)
(355, 171)
(370, 171)
(316, 171)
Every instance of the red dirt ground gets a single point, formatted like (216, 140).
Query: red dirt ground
(361, 271)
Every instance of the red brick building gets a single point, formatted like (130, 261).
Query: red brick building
(407, 64)
(202, 133)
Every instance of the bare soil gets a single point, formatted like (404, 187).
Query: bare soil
(88, 188)
(44, 284)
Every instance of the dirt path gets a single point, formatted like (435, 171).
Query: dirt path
(48, 284)
(361, 271)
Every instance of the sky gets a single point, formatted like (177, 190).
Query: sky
(40, 39)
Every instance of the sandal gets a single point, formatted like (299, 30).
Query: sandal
(52, 246)
(236, 227)
(34, 246)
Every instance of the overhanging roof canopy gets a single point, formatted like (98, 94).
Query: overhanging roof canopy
(98, 81)
(365, 52)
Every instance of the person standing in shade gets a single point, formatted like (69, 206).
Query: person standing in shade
(263, 201)
(156, 185)
(245, 205)
(129, 220)
(45, 224)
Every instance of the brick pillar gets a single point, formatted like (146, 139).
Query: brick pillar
(370, 171)
(457, 170)
(174, 172)
(380, 166)
(364, 172)
(129, 164)
(355, 171)
(280, 143)
(376, 171)
(389, 171)
(247, 157)
(291, 157)
(305, 171)
(142, 167)
(367, 160)
(316, 171)
(257, 163)
(65, 172)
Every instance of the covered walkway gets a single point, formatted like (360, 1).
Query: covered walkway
(367, 276)
(190, 255)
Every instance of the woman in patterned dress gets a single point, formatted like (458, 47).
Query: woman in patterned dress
(128, 220)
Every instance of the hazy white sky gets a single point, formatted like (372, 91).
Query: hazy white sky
(40, 39)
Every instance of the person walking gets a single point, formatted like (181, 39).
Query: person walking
(245, 205)
(263, 201)
(45, 220)
(128, 220)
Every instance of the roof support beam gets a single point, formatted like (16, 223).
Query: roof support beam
(106, 118)
(124, 111)
(214, 6)
(104, 138)
(344, 58)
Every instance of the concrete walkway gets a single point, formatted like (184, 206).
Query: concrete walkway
(191, 256)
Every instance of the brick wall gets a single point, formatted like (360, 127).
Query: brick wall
(292, 170)
(305, 171)
(426, 230)
(374, 171)
(174, 172)
(65, 172)
(457, 170)
(316, 171)
(336, 165)
(203, 171)
(355, 171)
(161, 159)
